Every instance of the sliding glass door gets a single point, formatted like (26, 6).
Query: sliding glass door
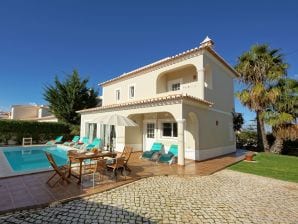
(91, 131)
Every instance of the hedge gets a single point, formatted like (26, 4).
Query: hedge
(39, 131)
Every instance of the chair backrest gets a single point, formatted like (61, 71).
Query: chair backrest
(71, 154)
(101, 165)
(52, 161)
(85, 140)
(59, 139)
(174, 150)
(76, 138)
(126, 153)
(120, 162)
(156, 146)
(96, 142)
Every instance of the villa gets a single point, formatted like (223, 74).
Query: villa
(186, 99)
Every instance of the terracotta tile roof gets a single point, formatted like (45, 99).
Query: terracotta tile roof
(167, 59)
(150, 100)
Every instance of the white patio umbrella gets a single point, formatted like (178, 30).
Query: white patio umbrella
(115, 120)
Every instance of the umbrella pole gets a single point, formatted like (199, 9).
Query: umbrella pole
(112, 137)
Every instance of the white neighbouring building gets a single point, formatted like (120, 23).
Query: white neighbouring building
(29, 112)
(186, 99)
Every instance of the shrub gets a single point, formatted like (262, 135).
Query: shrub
(39, 131)
(247, 140)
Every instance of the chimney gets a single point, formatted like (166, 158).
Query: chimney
(207, 42)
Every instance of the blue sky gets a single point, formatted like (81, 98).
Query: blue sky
(41, 39)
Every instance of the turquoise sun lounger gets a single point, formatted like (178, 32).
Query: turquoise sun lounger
(156, 148)
(56, 141)
(82, 142)
(95, 144)
(73, 141)
(169, 157)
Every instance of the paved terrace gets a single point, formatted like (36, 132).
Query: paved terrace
(31, 190)
(224, 197)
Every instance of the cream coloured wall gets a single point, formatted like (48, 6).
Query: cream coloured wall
(145, 84)
(24, 112)
(222, 92)
(203, 137)
(214, 133)
(134, 135)
(187, 75)
(174, 109)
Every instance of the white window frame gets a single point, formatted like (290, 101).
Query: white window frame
(174, 81)
(134, 86)
(160, 125)
(116, 96)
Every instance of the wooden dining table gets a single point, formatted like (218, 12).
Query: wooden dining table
(77, 157)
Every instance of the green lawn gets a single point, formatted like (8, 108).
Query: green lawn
(271, 165)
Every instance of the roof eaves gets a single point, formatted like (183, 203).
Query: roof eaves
(150, 100)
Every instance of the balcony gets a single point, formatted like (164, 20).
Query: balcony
(181, 80)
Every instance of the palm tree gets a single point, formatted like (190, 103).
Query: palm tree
(283, 113)
(259, 68)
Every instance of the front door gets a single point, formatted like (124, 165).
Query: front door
(149, 135)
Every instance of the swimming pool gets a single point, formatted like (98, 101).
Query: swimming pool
(33, 158)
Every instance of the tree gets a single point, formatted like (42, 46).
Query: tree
(282, 114)
(237, 121)
(259, 68)
(69, 96)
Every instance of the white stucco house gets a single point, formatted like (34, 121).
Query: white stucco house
(186, 99)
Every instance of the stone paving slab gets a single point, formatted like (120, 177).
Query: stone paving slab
(224, 197)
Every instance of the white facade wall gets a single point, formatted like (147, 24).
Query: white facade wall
(145, 84)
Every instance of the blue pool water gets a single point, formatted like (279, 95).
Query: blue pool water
(34, 158)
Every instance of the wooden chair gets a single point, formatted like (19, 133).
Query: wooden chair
(100, 168)
(126, 154)
(119, 164)
(61, 171)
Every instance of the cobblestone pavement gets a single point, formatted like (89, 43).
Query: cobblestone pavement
(224, 197)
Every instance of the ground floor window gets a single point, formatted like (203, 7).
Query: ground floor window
(169, 129)
(150, 130)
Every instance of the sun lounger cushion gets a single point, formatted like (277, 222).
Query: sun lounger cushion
(156, 147)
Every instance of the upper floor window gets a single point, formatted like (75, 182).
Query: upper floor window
(131, 92)
(117, 94)
(174, 85)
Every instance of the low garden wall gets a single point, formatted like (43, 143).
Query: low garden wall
(13, 131)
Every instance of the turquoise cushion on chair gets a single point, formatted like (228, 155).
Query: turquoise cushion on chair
(148, 154)
(156, 146)
(174, 150)
(166, 157)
